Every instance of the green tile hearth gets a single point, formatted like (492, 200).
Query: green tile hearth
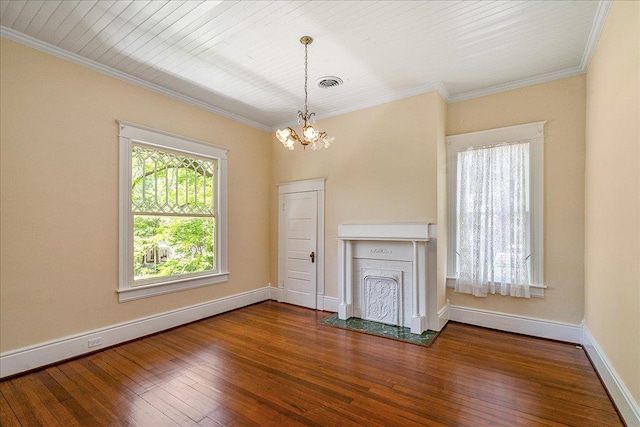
(399, 333)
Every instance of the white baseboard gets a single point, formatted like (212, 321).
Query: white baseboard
(330, 304)
(275, 293)
(27, 358)
(626, 404)
(443, 316)
(519, 324)
(323, 303)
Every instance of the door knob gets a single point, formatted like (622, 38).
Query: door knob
(312, 255)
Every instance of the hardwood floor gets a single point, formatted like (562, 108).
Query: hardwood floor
(273, 364)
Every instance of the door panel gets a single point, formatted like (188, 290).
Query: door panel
(300, 216)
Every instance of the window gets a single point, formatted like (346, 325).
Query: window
(172, 213)
(495, 187)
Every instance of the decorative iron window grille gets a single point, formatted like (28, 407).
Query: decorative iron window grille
(167, 183)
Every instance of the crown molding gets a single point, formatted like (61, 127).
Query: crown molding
(444, 93)
(594, 35)
(77, 59)
(530, 81)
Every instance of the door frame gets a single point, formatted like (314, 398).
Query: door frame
(308, 185)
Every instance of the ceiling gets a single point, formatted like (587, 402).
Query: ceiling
(244, 60)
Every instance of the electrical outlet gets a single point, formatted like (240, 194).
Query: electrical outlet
(96, 342)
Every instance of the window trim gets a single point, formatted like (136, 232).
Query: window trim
(128, 133)
(534, 132)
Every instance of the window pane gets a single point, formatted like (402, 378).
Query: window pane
(170, 246)
(493, 211)
(169, 183)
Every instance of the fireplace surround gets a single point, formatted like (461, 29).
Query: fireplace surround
(383, 273)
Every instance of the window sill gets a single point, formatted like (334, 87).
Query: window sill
(145, 291)
(536, 291)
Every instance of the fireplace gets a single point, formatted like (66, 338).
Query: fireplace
(383, 273)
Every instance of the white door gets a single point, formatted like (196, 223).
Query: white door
(300, 213)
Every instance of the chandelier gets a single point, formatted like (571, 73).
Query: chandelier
(310, 136)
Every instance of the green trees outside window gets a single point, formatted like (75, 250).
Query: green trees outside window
(174, 213)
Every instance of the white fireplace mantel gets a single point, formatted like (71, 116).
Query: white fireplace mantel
(386, 242)
(420, 232)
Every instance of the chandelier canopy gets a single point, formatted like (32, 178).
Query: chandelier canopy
(310, 136)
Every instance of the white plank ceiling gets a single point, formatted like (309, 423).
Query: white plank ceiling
(243, 59)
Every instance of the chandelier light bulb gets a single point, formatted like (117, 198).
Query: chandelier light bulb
(283, 134)
(287, 136)
(310, 134)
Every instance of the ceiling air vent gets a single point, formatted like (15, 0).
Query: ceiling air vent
(329, 81)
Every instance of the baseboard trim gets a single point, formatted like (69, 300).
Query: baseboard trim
(330, 304)
(443, 316)
(625, 403)
(275, 293)
(519, 324)
(323, 303)
(32, 357)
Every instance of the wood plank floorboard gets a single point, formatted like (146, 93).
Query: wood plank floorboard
(273, 364)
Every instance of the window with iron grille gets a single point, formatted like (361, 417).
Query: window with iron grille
(172, 213)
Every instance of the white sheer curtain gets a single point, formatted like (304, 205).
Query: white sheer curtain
(493, 217)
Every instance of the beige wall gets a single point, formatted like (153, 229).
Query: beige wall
(59, 196)
(382, 168)
(562, 104)
(612, 243)
(442, 242)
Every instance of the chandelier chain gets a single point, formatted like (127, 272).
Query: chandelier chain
(306, 78)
